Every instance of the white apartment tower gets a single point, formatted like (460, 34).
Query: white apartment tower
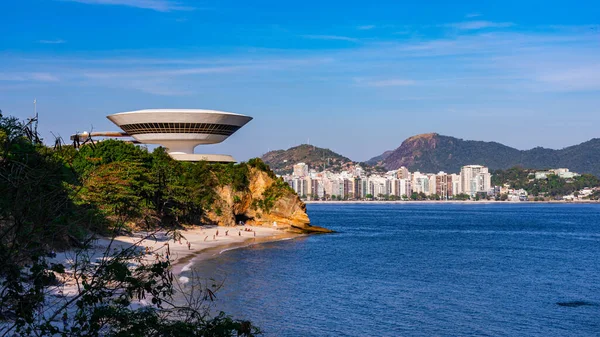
(456, 184)
(475, 179)
(300, 170)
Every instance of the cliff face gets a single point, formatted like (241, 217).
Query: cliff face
(266, 203)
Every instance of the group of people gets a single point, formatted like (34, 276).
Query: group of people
(166, 254)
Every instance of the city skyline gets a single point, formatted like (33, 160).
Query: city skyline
(355, 183)
(384, 71)
(474, 182)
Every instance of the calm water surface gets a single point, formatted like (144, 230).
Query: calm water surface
(423, 269)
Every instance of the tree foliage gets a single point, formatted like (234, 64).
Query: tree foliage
(552, 185)
(54, 199)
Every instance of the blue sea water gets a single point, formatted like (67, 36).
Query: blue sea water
(423, 270)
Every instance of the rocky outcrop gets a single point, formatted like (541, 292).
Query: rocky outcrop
(267, 202)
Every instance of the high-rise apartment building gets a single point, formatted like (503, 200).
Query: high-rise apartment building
(456, 184)
(404, 187)
(441, 185)
(301, 170)
(432, 179)
(402, 173)
(475, 179)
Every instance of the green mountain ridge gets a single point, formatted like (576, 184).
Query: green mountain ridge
(282, 161)
(433, 152)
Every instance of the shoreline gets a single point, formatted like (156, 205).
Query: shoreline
(204, 243)
(185, 261)
(182, 256)
(470, 202)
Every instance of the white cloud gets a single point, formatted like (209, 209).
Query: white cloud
(57, 41)
(472, 15)
(157, 5)
(491, 62)
(572, 79)
(330, 37)
(28, 77)
(163, 77)
(396, 82)
(365, 27)
(43, 77)
(475, 25)
(162, 72)
(155, 87)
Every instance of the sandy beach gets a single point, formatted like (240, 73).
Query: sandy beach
(195, 244)
(202, 242)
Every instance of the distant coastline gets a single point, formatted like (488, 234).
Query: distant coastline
(470, 202)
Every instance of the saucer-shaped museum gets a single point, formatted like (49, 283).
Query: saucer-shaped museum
(181, 130)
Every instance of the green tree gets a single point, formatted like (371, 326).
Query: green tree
(43, 207)
(123, 189)
(462, 196)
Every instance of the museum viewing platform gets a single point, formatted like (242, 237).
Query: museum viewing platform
(178, 130)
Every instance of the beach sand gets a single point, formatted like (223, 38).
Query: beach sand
(196, 244)
(204, 242)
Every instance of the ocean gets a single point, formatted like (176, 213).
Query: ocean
(422, 270)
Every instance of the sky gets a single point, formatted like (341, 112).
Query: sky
(357, 77)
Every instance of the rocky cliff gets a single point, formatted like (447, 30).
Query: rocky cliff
(268, 201)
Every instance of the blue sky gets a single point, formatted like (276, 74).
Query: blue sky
(355, 76)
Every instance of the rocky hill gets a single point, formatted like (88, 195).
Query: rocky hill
(282, 161)
(433, 152)
(267, 201)
(127, 184)
(378, 160)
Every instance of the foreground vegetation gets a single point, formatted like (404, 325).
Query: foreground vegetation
(52, 199)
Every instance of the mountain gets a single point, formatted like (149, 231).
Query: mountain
(378, 159)
(433, 152)
(282, 161)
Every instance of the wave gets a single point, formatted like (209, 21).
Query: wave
(188, 266)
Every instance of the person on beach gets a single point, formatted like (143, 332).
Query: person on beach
(217, 232)
(214, 237)
(227, 233)
(206, 238)
(189, 246)
(239, 233)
